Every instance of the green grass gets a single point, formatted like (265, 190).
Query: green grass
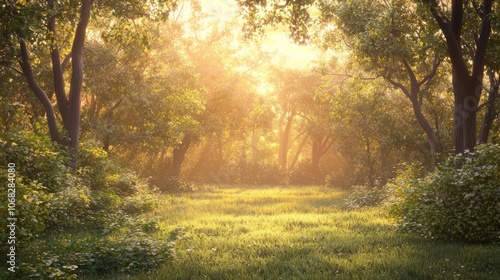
(302, 233)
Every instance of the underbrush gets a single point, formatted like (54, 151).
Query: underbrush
(459, 201)
(131, 249)
(363, 196)
(100, 199)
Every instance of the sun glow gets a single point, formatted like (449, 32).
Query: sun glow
(276, 40)
(264, 88)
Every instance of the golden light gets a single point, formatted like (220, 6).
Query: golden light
(288, 54)
(263, 87)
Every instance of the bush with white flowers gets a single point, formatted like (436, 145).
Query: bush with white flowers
(458, 201)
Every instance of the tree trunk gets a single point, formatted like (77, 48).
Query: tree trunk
(467, 83)
(39, 93)
(69, 107)
(370, 164)
(489, 115)
(464, 124)
(416, 98)
(320, 146)
(298, 152)
(316, 155)
(284, 138)
(179, 154)
(434, 144)
(73, 124)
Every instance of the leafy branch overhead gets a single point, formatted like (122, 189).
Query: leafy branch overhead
(261, 13)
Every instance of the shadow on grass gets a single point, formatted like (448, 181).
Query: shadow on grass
(401, 260)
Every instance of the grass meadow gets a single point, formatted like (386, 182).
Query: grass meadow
(238, 232)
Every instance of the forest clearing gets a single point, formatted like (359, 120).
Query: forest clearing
(301, 232)
(252, 139)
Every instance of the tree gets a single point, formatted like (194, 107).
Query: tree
(143, 105)
(62, 27)
(294, 90)
(467, 53)
(386, 38)
(392, 41)
(194, 93)
(465, 25)
(493, 82)
(225, 69)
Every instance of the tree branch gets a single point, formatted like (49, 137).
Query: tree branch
(325, 146)
(457, 17)
(489, 101)
(66, 61)
(477, 9)
(479, 58)
(77, 74)
(110, 110)
(59, 87)
(39, 93)
(16, 70)
(433, 72)
(399, 85)
(452, 40)
(414, 87)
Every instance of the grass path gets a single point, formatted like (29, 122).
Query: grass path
(303, 233)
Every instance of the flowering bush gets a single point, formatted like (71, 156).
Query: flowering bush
(453, 203)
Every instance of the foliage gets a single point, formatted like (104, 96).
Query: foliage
(371, 133)
(68, 256)
(452, 203)
(100, 196)
(100, 172)
(46, 193)
(36, 158)
(340, 179)
(258, 14)
(363, 196)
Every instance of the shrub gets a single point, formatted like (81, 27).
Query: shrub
(363, 196)
(124, 183)
(141, 202)
(453, 203)
(32, 208)
(93, 165)
(128, 252)
(100, 197)
(131, 252)
(47, 194)
(37, 159)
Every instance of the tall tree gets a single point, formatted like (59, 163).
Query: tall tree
(392, 41)
(467, 53)
(62, 26)
(467, 50)
(386, 38)
(294, 89)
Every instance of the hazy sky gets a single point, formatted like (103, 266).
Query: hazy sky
(287, 52)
